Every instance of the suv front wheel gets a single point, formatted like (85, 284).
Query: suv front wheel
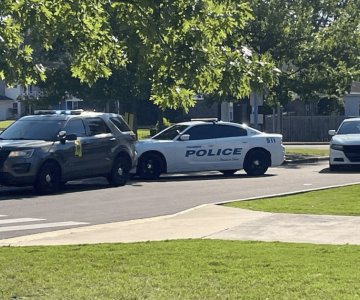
(48, 179)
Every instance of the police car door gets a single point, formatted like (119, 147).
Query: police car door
(198, 153)
(98, 146)
(74, 160)
(232, 146)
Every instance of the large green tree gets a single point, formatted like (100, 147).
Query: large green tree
(315, 43)
(180, 47)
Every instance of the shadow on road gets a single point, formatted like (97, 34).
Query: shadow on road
(23, 193)
(199, 177)
(344, 170)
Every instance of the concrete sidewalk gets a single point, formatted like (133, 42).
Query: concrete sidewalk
(208, 222)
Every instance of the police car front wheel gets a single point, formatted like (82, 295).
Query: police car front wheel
(149, 167)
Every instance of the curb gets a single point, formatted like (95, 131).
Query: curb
(305, 160)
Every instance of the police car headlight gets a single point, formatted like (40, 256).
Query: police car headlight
(337, 147)
(22, 153)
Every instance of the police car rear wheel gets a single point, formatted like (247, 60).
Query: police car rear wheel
(150, 167)
(256, 163)
(119, 173)
(228, 172)
(48, 179)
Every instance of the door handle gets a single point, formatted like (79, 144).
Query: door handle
(112, 139)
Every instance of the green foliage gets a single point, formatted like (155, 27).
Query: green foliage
(169, 51)
(179, 48)
(77, 32)
(330, 106)
(315, 44)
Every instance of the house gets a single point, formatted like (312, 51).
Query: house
(352, 101)
(10, 107)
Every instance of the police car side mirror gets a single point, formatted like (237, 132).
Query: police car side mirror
(332, 132)
(63, 136)
(185, 137)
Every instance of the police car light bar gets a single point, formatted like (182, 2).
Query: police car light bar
(205, 119)
(58, 112)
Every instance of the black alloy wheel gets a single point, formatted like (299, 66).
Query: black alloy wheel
(49, 179)
(149, 167)
(256, 163)
(119, 174)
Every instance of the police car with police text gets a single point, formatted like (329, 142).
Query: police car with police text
(209, 146)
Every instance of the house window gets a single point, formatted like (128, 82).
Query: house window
(72, 104)
(15, 108)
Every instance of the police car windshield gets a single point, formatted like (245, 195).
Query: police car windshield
(352, 127)
(33, 130)
(170, 133)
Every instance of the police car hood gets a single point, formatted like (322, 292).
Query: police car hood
(152, 141)
(23, 144)
(346, 139)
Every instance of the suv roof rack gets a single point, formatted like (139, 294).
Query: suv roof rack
(213, 120)
(58, 112)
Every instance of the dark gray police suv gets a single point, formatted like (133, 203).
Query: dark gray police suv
(52, 147)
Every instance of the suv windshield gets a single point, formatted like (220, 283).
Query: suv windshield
(170, 133)
(33, 130)
(349, 128)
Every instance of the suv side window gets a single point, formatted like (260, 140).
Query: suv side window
(75, 126)
(202, 132)
(97, 126)
(226, 131)
(120, 124)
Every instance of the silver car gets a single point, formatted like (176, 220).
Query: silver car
(345, 145)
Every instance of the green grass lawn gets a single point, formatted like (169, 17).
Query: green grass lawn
(4, 124)
(307, 151)
(336, 201)
(192, 269)
(143, 133)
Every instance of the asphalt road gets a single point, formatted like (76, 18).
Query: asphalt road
(92, 202)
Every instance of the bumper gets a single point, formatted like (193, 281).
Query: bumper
(8, 179)
(278, 157)
(339, 158)
(18, 172)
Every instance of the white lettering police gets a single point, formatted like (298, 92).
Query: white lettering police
(213, 152)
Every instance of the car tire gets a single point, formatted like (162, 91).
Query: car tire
(256, 163)
(228, 172)
(149, 167)
(119, 173)
(48, 180)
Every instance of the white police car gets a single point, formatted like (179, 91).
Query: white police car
(209, 146)
(345, 145)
